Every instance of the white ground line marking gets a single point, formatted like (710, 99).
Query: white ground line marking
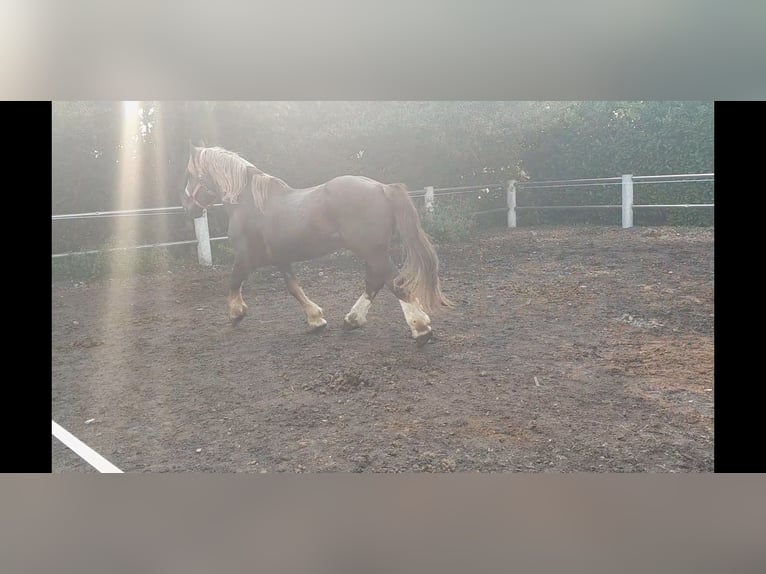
(83, 450)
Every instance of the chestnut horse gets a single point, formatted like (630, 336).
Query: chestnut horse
(271, 223)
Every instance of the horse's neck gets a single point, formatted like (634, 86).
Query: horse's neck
(278, 184)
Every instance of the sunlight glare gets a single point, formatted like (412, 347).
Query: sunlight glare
(130, 111)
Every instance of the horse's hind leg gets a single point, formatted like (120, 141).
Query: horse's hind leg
(237, 307)
(373, 283)
(314, 314)
(381, 271)
(417, 319)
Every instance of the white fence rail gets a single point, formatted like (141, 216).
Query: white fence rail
(83, 450)
(626, 182)
(430, 196)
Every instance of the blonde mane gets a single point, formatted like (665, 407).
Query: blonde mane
(232, 174)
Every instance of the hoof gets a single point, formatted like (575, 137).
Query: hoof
(318, 328)
(422, 339)
(351, 325)
(237, 313)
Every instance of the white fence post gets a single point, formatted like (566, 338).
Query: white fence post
(627, 201)
(202, 232)
(429, 199)
(510, 200)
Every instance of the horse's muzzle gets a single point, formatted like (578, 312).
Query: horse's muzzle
(190, 207)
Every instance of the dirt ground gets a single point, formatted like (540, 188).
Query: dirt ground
(577, 349)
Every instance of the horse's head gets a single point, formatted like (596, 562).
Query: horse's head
(200, 190)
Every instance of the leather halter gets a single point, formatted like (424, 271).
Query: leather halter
(193, 196)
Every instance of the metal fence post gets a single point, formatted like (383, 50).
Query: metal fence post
(202, 232)
(510, 200)
(627, 201)
(429, 199)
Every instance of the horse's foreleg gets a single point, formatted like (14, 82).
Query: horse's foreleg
(237, 307)
(314, 314)
(373, 283)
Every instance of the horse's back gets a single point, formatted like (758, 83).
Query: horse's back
(353, 183)
(359, 207)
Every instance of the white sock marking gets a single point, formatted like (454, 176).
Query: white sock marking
(358, 314)
(417, 319)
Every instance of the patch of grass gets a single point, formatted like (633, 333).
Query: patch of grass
(117, 264)
(223, 253)
(451, 221)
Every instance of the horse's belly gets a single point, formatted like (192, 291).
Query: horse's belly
(306, 249)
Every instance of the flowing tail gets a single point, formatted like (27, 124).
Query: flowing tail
(419, 275)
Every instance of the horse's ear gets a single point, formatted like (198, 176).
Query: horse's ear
(193, 148)
(193, 152)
